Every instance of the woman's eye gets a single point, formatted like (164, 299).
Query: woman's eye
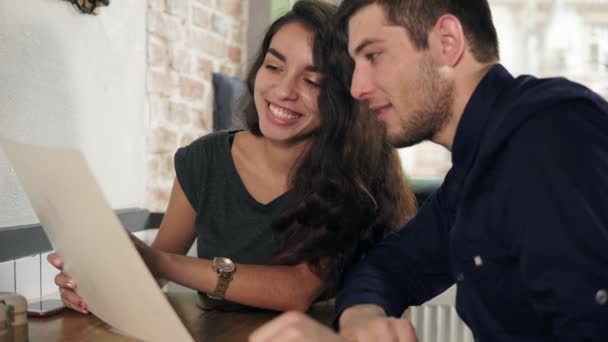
(312, 83)
(271, 67)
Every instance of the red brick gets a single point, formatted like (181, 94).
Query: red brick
(191, 89)
(238, 32)
(188, 137)
(206, 42)
(157, 53)
(153, 166)
(174, 30)
(156, 22)
(233, 8)
(204, 68)
(162, 140)
(158, 108)
(181, 60)
(179, 8)
(220, 24)
(165, 26)
(179, 113)
(161, 82)
(234, 54)
(167, 167)
(158, 197)
(201, 17)
(203, 121)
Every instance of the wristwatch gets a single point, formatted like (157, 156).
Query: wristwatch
(225, 269)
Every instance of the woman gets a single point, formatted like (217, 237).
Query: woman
(292, 200)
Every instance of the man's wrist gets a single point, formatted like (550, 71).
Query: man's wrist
(358, 313)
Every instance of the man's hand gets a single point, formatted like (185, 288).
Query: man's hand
(292, 327)
(369, 323)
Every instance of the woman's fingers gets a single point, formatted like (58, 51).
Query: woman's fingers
(67, 285)
(69, 297)
(55, 260)
(64, 281)
(73, 300)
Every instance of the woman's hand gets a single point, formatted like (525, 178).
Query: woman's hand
(67, 286)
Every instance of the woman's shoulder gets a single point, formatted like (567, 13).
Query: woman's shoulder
(210, 140)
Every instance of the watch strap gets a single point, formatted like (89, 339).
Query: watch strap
(223, 280)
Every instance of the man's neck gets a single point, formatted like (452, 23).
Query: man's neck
(466, 81)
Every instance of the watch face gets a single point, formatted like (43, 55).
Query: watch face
(225, 265)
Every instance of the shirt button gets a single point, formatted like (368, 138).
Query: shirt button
(478, 261)
(601, 297)
(460, 277)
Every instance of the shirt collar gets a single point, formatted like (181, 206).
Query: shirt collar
(475, 116)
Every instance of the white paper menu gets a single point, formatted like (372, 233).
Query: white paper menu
(96, 249)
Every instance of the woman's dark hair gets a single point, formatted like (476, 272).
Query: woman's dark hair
(348, 190)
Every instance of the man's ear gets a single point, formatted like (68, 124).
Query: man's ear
(447, 41)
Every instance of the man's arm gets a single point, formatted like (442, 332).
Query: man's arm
(408, 267)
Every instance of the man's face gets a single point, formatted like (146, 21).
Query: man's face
(401, 84)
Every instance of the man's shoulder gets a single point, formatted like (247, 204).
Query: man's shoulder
(530, 95)
(545, 105)
(537, 117)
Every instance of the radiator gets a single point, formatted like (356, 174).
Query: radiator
(438, 321)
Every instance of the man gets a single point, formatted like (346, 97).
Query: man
(521, 220)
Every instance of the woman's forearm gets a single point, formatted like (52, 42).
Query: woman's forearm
(265, 286)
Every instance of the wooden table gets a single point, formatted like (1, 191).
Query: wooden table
(203, 325)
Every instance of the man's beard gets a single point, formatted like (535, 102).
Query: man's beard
(434, 111)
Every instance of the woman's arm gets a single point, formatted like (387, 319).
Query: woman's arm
(273, 287)
(177, 229)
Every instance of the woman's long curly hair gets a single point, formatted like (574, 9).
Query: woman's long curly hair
(348, 191)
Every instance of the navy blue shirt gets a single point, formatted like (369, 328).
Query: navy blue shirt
(520, 222)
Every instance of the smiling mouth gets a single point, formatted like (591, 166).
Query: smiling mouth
(283, 114)
(380, 109)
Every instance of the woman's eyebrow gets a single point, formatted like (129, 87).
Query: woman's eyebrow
(280, 56)
(277, 54)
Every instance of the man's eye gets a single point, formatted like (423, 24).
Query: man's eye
(372, 56)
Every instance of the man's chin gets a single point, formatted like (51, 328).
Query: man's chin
(401, 140)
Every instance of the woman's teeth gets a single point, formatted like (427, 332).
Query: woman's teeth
(282, 113)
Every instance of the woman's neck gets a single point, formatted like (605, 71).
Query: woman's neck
(282, 158)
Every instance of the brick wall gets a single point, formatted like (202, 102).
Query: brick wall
(187, 40)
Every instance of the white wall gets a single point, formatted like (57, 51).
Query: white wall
(74, 80)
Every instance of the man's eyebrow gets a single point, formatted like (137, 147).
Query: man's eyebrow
(363, 45)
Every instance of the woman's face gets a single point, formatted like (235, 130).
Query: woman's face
(287, 86)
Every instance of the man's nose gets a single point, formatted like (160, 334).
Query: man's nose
(361, 85)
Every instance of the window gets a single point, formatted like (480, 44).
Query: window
(280, 6)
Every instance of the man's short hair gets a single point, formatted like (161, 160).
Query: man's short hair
(419, 16)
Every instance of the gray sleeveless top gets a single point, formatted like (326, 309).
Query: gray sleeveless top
(229, 221)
